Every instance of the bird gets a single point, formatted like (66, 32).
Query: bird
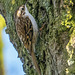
(27, 31)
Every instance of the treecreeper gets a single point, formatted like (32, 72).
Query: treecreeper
(27, 31)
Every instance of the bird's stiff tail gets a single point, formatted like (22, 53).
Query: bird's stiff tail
(35, 62)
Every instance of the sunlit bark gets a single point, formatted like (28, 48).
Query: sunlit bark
(53, 45)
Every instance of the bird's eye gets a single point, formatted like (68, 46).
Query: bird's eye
(22, 8)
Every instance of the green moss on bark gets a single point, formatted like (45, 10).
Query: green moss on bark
(51, 51)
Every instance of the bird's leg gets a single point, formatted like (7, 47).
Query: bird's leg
(40, 30)
(42, 27)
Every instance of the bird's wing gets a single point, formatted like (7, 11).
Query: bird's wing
(25, 31)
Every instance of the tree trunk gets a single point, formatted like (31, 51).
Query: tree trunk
(55, 48)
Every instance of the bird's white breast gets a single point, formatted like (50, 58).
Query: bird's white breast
(35, 27)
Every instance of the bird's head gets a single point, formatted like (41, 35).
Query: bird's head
(21, 11)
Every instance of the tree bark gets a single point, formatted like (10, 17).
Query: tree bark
(55, 48)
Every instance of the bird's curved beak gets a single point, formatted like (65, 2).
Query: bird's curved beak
(25, 5)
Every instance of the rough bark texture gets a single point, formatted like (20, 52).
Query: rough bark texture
(55, 48)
